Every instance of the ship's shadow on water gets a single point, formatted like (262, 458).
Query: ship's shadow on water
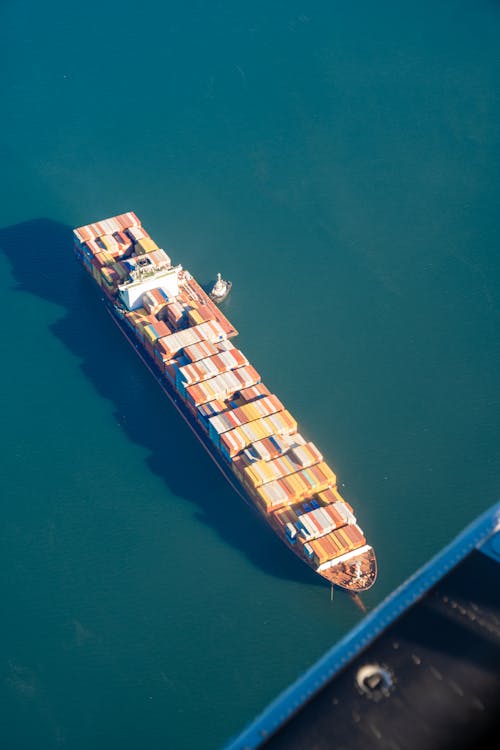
(40, 254)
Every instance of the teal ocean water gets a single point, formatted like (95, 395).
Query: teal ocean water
(341, 164)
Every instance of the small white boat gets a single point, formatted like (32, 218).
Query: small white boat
(220, 289)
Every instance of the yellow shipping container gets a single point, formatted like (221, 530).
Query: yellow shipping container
(242, 414)
(251, 470)
(321, 554)
(103, 259)
(137, 318)
(294, 481)
(337, 494)
(264, 429)
(306, 488)
(140, 313)
(266, 471)
(251, 476)
(250, 411)
(264, 501)
(108, 242)
(145, 245)
(194, 317)
(121, 270)
(295, 487)
(150, 334)
(108, 276)
(287, 465)
(96, 273)
(330, 475)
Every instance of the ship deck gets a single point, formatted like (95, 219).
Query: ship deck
(196, 293)
(355, 571)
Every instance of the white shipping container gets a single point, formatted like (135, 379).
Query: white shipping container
(136, 233)
(109, 226)
(343, 511)
(306, 525)
(210, 331)
(263, 453)
(323, 518)
(275, 493)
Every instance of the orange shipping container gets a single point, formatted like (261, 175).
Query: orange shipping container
(254, 392)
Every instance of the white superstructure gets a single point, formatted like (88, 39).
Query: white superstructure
(148, 273)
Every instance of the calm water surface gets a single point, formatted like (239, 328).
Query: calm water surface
(341, 164)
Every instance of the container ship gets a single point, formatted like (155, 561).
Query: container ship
(186, 342)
